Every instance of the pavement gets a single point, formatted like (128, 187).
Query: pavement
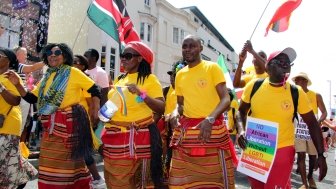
(329, 181)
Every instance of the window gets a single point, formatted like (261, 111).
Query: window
(182, 35)
(146, 31)
(175, 35)
(103, 57)
(164, 32)
(178, 35)
(142, 30)
(149, 32)
(147, 2)
(12, 31)
(112, 62)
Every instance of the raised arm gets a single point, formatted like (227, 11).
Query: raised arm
(237, 82)
(31, 68)
(260, 61)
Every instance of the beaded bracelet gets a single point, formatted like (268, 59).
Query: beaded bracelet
(141, 97)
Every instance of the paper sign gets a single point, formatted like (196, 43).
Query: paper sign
(301, 129)
(257, 160)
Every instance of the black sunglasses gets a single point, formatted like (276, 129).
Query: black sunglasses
(128, 56)
(56, 53)
(282, 64)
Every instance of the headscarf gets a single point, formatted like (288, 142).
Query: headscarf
(142, 49)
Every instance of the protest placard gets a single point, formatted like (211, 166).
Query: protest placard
(257, 160)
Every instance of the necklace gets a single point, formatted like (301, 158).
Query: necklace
(280, 83)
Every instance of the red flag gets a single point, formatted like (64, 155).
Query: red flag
(280, 20)
(112, 17)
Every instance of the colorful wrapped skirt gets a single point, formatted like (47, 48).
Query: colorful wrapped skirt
(197, 165)
(127, 153)
(57, 168)
(14, 169)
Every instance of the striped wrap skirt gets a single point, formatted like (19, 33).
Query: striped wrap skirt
(57, 170)
(127, 154)
(197, 165)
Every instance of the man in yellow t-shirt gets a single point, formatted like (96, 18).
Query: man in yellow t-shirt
(258, 61)
(303, 141)
(200, 139)
(273, 102)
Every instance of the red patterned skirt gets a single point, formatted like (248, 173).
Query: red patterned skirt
(127, 153)
(57, 170)
(201, 165)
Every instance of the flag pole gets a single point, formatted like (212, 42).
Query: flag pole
(262, 14)
(80, 29)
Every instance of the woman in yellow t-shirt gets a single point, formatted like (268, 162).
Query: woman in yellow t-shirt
(15, 171)
(66, 136)
(131, 140)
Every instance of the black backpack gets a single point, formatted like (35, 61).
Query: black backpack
(294, 91)
(165, 91)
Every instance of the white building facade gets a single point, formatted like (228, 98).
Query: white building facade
(158, 23)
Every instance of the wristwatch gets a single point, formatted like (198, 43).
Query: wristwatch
(211, 119)
(324, 154)
(2, 88)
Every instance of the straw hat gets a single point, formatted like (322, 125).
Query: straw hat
(303, 75)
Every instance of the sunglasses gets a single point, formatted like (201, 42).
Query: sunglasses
(3, 56)
(282, 64)
(56, 53)
(128, 56)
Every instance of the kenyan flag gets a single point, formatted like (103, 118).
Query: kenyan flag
(111, 16)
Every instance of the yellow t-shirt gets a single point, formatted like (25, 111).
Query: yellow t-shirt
(313, 100)
(136, 110)
(77, 82)
(275, 104)
(233, 106)
(171, 101)
(249, 77)
(13, 120)
(197, 86)
(250, 70)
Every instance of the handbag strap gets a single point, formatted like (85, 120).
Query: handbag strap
(10, 109)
